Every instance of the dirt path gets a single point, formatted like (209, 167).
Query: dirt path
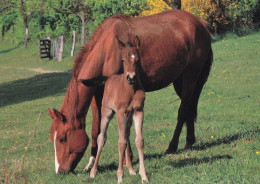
(40, 70)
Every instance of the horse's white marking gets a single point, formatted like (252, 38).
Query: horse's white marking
(56, 158)
(90, 163)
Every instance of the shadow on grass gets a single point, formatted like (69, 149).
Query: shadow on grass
(197, 161)
(39, 86)
(225, 140)
(190, 161)
(8, 50)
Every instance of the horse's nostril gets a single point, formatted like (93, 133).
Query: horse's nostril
(61, 172)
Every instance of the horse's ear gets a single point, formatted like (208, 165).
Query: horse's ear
(51, 113)
(137, 42)
(119, 43)
(56, 114)
(59, 115)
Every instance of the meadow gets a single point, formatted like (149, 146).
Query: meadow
(227, 149)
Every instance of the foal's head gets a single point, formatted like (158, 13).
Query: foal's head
(130, 58)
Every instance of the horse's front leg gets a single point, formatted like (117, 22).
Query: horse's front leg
(107, 115)
(96, 113)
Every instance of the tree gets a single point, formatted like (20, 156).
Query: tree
(103, 9)
(175, 4)
(81, 8)
(155, 6)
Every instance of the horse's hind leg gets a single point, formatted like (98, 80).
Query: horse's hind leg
(188, 86)
(191, 118)
(107, 115)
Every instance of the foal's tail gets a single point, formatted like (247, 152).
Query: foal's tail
(98, 81)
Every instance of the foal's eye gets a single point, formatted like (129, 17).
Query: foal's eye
(63, 139)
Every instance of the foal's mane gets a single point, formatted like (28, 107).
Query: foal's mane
(71, 99)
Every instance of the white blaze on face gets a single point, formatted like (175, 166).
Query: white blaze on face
(132, 56)
(56, 158)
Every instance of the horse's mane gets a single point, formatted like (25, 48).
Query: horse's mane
(71, 100)
(85, 50)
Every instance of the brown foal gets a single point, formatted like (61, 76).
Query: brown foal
(124, 95)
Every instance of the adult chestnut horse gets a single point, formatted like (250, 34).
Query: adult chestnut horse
(175, 48)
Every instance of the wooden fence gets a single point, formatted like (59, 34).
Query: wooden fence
(44, 48)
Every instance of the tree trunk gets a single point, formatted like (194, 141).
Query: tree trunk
(60, 48)
(3, 33)
(12, 40)
(73, 43)
(26, 37)
(175, 4)
(83, 31)
(25, 17)
(83, 25)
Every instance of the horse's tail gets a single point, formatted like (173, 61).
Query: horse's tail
(202, 80)
(98, 81)
(207, 67)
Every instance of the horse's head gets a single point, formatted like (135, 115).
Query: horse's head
(70, 143)
(130, 57)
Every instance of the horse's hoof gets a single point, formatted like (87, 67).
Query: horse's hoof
(188, 146)
(90, 163)
(170, 151)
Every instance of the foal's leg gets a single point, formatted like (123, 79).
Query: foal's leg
(138, 117)
(107, 115)
(96, 111)
(128, 153)
(122, 143)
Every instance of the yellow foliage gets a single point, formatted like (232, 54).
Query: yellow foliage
(155, 6)
(196, 7)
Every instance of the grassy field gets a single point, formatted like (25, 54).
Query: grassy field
(227, 129)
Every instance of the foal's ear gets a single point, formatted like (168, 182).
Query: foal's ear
(137, 42)
(119, 43)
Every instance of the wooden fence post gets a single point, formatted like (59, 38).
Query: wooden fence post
(60, 48)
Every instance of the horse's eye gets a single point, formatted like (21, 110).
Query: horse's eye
(63, 139)
(122, 61)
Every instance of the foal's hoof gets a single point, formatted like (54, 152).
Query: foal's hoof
(145, 180)
(93, 173)
(132, 172)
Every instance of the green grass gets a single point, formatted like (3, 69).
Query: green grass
(227, 128)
